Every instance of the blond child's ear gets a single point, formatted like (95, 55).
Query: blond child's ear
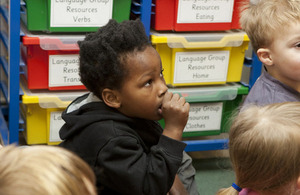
(264, 56)
(111, 98)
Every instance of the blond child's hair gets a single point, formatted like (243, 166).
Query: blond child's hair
(264, 147)
(47, 170)
(265, 19)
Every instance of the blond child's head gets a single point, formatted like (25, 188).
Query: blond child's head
(263, 20)
(48, 170)
(264, 147)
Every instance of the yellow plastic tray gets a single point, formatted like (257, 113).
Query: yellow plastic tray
(191, 59)
(42, 109)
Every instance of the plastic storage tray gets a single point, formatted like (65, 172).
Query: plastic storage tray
(190, 15)
(211, 108)
(52, 62)
(42, 113)
(73, 16)
(192, 59)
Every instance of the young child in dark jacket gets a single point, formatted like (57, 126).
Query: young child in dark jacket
(114, 128)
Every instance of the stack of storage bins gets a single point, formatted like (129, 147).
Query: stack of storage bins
(202, 52)
(50, 52)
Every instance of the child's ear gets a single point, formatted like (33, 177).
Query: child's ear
(264, 56)
(111, 98)
(298, 183)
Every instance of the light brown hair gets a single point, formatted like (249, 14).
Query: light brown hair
(264, 19)
(264, 147)
(47, 170)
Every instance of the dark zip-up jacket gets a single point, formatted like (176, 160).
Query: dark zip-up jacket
(128, 155)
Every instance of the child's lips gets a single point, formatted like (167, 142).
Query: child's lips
(160, 109)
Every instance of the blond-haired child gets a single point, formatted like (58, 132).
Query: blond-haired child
(273, 27)
(264, 148)
(47, 170)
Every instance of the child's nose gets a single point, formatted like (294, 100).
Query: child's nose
(162, 89)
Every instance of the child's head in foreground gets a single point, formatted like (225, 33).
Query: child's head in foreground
(120, 66)
(47, 170)
(264, 147)
(273, 27)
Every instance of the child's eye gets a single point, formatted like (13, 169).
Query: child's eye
(161, 72)
(148, 83)
(298, 45)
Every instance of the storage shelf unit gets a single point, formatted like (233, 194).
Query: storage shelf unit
(10, 120)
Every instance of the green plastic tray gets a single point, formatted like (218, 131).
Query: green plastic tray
(231, 95)
(37, 15)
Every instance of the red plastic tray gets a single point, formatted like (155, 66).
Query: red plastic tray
(166, 15)
(36, 53)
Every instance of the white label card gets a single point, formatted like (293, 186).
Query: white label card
(205, 11)
(56, 122)
(200, 67)
(80, 13)
(204, 117)
(64, 70)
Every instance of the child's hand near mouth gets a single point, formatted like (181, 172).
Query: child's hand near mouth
(175, 111)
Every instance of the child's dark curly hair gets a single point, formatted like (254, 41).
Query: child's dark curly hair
(103, 54)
